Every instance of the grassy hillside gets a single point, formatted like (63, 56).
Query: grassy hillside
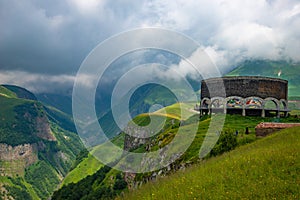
(81, 174)
(6, 92)
(266, 169)
(277, 69)
(34, 171)
(87, 166)
(14, 121)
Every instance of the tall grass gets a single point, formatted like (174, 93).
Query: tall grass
(266, 169)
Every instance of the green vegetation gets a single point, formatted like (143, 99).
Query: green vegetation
(20, 92)
(233, 135)
(86, 188)
(288, 71)
(87, 166)
(60, 118)
(59, 101)
(21, 122)
(89, 179)
(150, 94)
(18, 116)
(43, 178)
(226, 142)
(6, 92)
(17, 188)
(265, 169)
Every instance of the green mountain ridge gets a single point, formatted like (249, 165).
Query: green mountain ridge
(21, 92)
(35, 152)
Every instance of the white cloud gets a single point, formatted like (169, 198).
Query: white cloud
(39, 83)
(87, 7)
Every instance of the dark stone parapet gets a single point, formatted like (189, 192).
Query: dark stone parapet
(244, 86)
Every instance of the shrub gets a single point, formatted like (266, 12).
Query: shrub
(226, 142)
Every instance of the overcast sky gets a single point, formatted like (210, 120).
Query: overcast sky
(46, 41)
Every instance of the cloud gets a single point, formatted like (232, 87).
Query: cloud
(39, 83)
(51, 38)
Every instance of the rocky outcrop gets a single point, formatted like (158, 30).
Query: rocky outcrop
(4, 193)
(43, 129)
(17, 158)
(131, 142)
(25, 152)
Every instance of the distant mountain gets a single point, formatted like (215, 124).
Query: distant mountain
(140, 102)
(35, 151)
(277, 69)
(61, 102)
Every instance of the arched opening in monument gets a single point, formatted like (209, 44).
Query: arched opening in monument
(217, 105)
(253, 106)
(253, 102)
(283, 104)
(234, 102)
(271, 107)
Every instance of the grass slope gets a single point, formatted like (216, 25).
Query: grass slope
(14, 121)
(6, 92)
(266, 169)
(21, 92)
(233, 123)
(84, 172)
(87, 166)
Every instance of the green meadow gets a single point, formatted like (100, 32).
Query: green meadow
(268, 168)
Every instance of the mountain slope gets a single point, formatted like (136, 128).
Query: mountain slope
(265, 169)
(35, 152)
(82, 176)
(277, 69)
(89, 164)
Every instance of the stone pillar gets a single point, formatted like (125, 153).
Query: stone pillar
(285, 114)
(263, 114)
(244, 112)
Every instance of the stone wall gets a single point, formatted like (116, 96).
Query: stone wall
(244, 86)
(16, 158)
